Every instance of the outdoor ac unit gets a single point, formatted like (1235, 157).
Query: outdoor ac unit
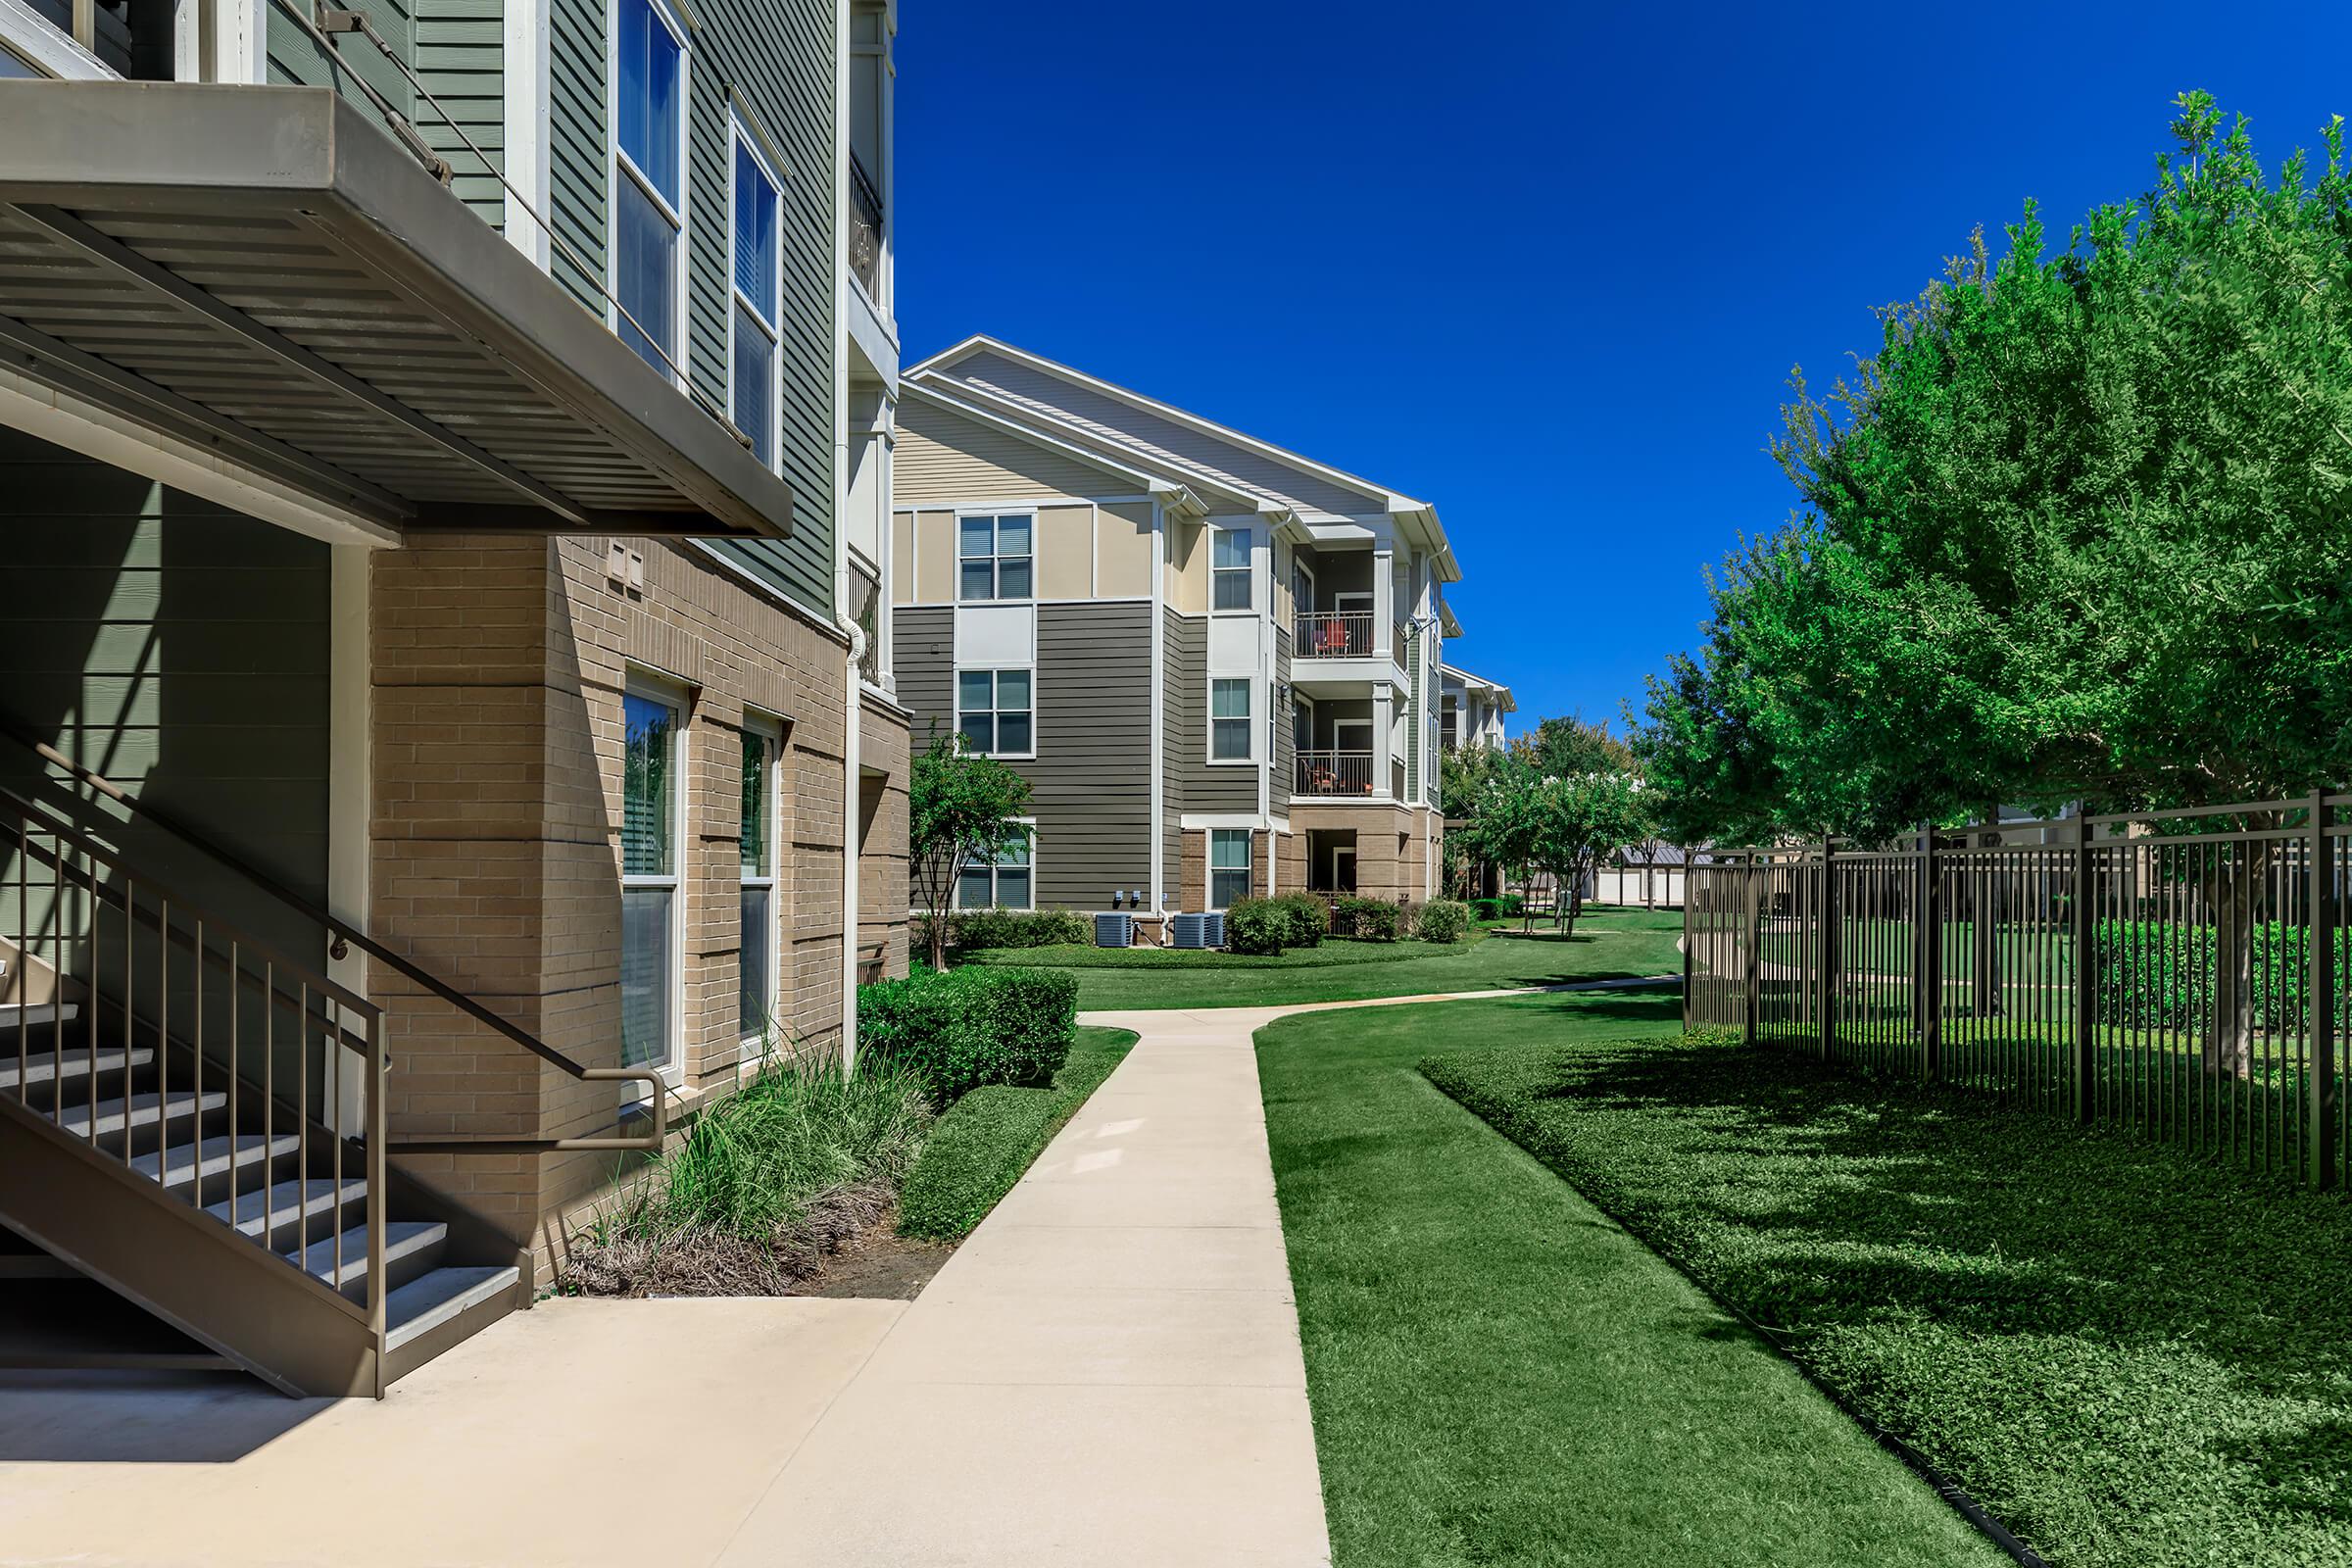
(1198, 930)
(1114, 930)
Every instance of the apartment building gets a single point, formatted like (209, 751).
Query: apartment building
(1471, 710)
(444, 485)
(1216, 662)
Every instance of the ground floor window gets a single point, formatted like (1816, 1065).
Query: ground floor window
(649, 880)
(1228, 865)
(1008, 882)
(759, 857)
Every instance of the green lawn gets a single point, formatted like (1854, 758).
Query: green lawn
(981, 1145)
(1617, 943)
(2133, 1358)
(1500, 1375)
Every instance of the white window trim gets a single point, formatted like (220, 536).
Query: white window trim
(619, 166)
(770, 734)
(1212, 869)
(992, 671)
(741, 138)
(1208, 738)
(655, 689)
(1247, 570)
(957, 899)
(995, 559)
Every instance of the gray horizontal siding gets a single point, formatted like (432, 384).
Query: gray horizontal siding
(1205, 787)
(1091, 781)
(923, 652)
(1278, 782)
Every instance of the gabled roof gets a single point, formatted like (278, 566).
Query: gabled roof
(1502, 693)
(1148, 440)
(1186, 492)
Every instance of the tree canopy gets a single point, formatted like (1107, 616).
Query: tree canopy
(1557, 801)
(961, 810)
(2079, 530)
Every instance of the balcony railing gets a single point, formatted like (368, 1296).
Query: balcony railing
(1397, 645)
(1330, 774)
(865, 232)
(1335, 634)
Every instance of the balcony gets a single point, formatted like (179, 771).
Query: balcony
(1397, 643)
(1334, 775)
(1334, 634)
(865, 232)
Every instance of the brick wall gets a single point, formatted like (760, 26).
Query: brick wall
(497, 668)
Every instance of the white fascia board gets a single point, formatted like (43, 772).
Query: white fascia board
(914, 388)
(1062, 437)
(1423, 519)
(981, 341)
(1257, 821)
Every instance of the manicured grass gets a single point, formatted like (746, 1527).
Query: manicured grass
(2133, 1358)
(982, 1144)
(1503, 1376)
(1618, 943)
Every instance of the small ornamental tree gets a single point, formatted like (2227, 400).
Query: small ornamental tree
(1555, 803)
(962, 810)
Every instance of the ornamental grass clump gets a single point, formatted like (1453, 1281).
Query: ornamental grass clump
(761, 1187)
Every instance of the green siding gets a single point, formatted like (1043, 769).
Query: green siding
(460, 54)
(294, 57)
(181, 650)
(778, 57)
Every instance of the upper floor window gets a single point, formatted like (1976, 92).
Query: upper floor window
(753, 346)
(648, 185)
(995, 557)
(1229, 571)
(1451, 726)
(1229, 720)
(996, 712)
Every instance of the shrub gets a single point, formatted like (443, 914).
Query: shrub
(1367, 919)
(974, 929)
(1485, 909)
(1443, 920)
(2156, 974)
(969, 1027)
(1309, 919)
(1257, 926)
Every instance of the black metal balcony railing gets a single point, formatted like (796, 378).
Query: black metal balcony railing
(865, 232)
(1334, 774)
(1334, 634)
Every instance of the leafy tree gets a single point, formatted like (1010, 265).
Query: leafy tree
(1462, 776)
(2078, 531)
(961, 812)
(1556, 801)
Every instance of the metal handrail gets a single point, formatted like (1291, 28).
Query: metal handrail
(1333, 634)
(1325, 773)
(340, 931)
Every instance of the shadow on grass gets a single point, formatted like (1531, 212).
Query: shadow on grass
(2134, 1356)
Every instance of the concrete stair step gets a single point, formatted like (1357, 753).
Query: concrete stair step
(140, 1111)
(51, 1065)
(284, 1212)
(182, 1163)
(410, 1249)
(433, 1299)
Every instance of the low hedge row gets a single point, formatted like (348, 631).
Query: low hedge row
(2161, 974)
(969, 1027)
(1511, 907)
(1366, 919)
(969, 930)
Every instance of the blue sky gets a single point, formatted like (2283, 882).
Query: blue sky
(1544, 265)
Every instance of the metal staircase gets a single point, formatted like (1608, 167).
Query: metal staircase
(196, 1119)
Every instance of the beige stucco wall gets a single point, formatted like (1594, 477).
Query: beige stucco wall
(1123, 549)
(1065, 552)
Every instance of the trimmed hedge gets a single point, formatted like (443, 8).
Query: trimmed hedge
(969, 1027)
(1442, 920)
(1511, 907)
(969, 930)
(1366, 919)
(1257, 926)
(1309, 919)
(2160, 975)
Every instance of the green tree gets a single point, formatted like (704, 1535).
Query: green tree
(962, 810)
(1558, 801)
(2080, 530)
(1462, 776)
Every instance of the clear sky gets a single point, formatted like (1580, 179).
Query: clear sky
(1547, 267)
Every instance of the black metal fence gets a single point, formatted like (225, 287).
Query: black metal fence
(2180, 973)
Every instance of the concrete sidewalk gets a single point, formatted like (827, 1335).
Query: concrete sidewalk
(1106, 1372)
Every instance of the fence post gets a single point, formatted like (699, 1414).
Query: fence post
(2321, 1071)
(1824, 983)
(1758, 875)
(2087, 972)
(1929, 926)
(1689, 945)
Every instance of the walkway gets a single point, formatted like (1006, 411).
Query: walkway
(1107, 1371)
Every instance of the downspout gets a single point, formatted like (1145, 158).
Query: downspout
(841, 535)
(849, 794)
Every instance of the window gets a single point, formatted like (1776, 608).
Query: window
(994, 554)
(1449, 725)
(757, 991)
(1230, 571)
(1229, 720)
(1008, 882)
(648, 185)
(753, 345)
(649, 881)
(1228, 865)
(996, 712)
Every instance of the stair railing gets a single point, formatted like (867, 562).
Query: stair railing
(258, 1040)
(343, 935)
